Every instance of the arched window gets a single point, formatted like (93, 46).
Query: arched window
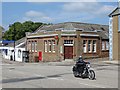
(19, 53)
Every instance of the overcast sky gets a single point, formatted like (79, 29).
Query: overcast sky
(56, 12)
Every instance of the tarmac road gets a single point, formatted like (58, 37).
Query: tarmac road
(19, 75)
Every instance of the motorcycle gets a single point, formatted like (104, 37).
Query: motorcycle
(83, 70)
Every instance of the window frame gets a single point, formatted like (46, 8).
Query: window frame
(19, 53)
(107, 45)
(45, 46)
(53, 46)
(94, 46)
(85, 46)
(50, 45)
(35, 46)
(90, 46)
(103, 45)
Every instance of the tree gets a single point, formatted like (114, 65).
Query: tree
(18, 29)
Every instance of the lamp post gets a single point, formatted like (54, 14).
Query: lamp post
(13, 38)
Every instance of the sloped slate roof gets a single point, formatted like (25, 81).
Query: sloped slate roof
(77, 26)
(17, 43)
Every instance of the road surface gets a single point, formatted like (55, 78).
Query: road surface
(21, 75)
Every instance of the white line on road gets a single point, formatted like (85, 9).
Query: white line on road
(56, 79)
(92, 85)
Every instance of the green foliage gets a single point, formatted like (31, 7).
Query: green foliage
(18, 29)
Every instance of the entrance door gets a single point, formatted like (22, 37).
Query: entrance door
(68, 52)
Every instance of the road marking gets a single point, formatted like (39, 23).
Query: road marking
(56, 79)
(92, 85)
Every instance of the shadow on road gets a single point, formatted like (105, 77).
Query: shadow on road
(14, 80)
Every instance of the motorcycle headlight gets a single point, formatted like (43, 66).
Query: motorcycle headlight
(88, 65)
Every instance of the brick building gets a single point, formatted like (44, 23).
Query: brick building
(114, 33)
(68, 41)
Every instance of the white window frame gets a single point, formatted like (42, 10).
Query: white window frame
(107, 45)
(29, 47)
(45, 45)
(94, 46)
(32, 46)
(19, 53)
(85, 46)
(35, 46)
(50, 46)
(68, 42)
(103, 45)
(53, 46)
(90, 45)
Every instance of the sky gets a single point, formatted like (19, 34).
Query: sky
(56, 12)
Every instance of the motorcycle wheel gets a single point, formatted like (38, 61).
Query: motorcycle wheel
(91, 75)
(75, 74)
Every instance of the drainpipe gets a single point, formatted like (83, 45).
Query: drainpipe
(118, 29)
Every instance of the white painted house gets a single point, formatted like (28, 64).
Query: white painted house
(8, 51)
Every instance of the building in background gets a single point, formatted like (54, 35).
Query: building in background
(114, 34)
(20, 53)
(1, 34)
(68, 41)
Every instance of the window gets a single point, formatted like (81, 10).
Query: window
(19, 53)
(50, 48)
(29, 46)
(94, 46)
(6, 51)
(103, 45)
(53, 45)
(84, 46)
(68, 41)
(32, 46)
(89, 46)
(45, 46)
(107, 45)
(35, 46)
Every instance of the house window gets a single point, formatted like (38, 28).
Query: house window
(29, 46)
(35, 46)
(45, 46)
(89, 46)
(107, 45)
(6, 51)
(32, 46)
(94, 46)
(19, 53)
(84, 46)
(103, 45)
(68, 41)
(50, 48)
(53, 46)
